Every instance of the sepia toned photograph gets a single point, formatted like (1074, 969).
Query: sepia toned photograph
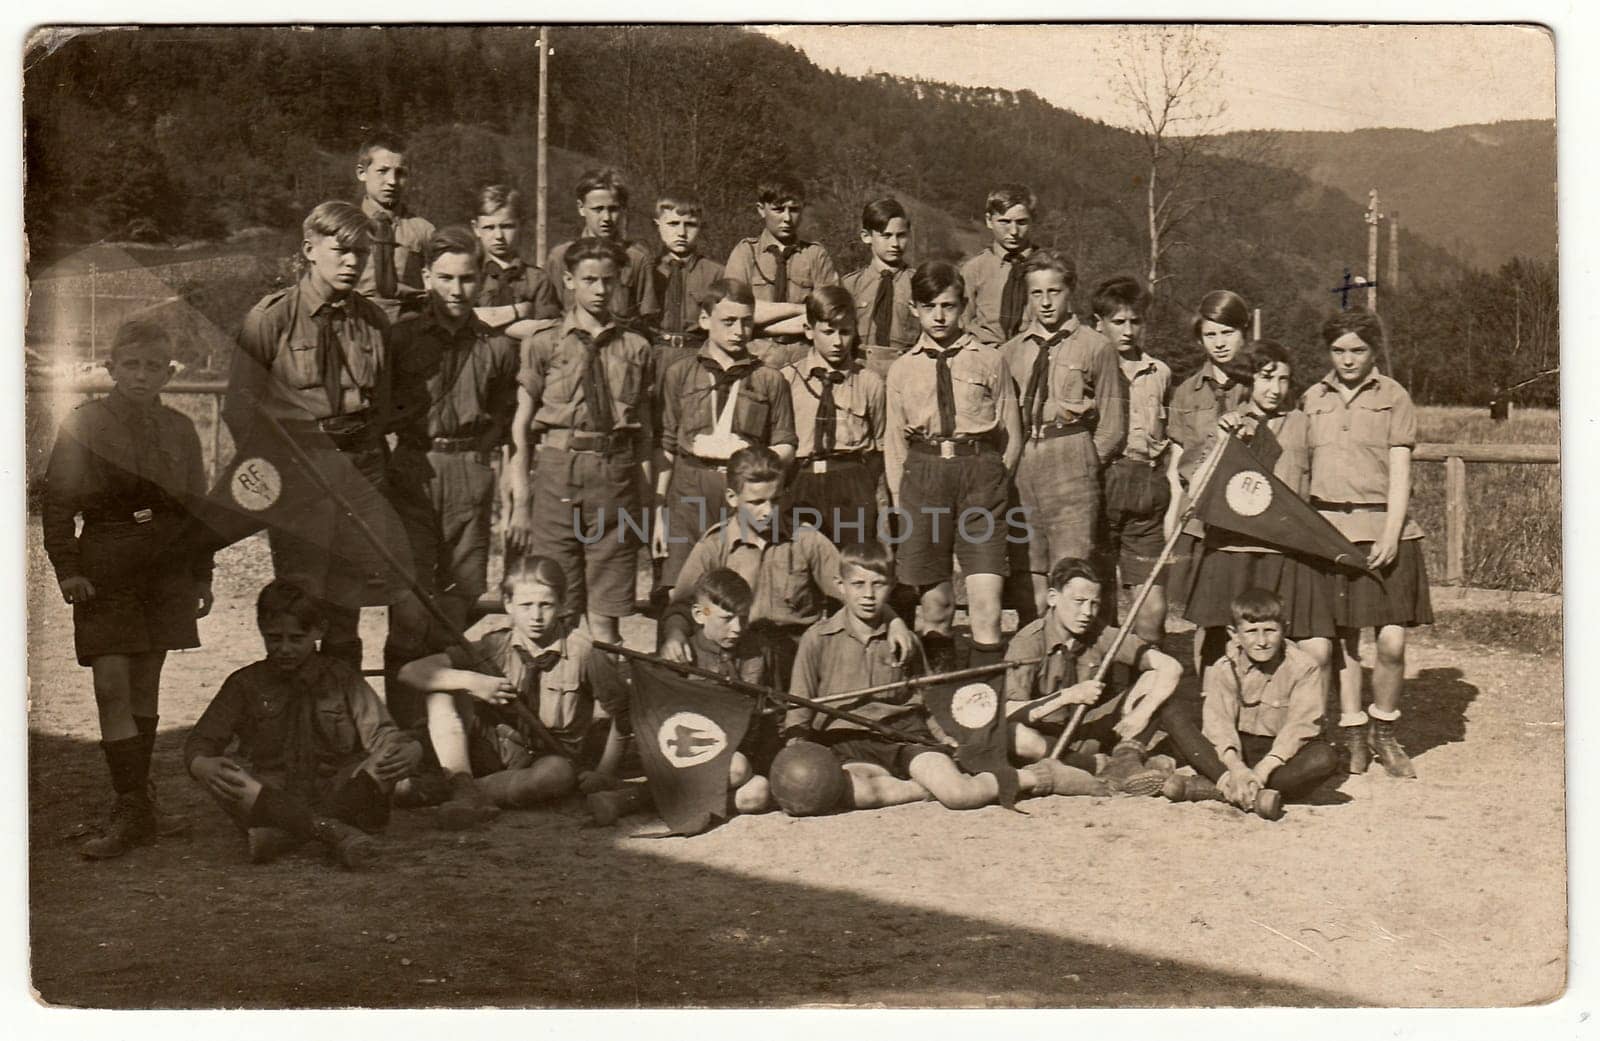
(788, 516)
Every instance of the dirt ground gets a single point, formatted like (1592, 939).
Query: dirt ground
(1447, 890)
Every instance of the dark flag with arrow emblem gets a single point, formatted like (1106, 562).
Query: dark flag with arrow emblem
(972, 714)
(1244, 497)
(686, 730)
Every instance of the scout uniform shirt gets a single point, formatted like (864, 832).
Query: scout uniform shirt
(678, 284)
(986, 275)
(744, 661)
(1069, 659)
(1082, 384)
(559, 682)
(459, 383)
(407, 237)
(1197, 404)
(1282, 700)
(1149, 380)
(789, 575)
(695, 394)
(635, 295)
(507, 283)
(856, 427)
(984, 396)
(779, 273)
(1350, 444)
(298, 729)
(280, 365)
(842, 653)
(554, 372)
(867, 287)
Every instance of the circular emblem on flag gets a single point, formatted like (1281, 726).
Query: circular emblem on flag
(974, 705)
(689, 739)
(1249, 493)
(256, 484)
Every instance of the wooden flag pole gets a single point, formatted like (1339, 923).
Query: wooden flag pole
(928, 681)
(1207, 469)
(541, 222)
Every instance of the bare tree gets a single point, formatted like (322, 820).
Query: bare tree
(1166, 78)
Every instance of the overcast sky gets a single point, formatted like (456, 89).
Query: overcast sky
(1272, 77)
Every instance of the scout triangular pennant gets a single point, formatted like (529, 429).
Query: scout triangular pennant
(1244, 497)
(971, 713)
(686, 730)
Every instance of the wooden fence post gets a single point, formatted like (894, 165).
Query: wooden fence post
(1455, 520)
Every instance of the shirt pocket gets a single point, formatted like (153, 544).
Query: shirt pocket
(975, 399)
(1370, 421)
(1070, 387)
(752, 413)
(299, 362)
(626, 376)
(1189, 424)
(1323, 422)
(851, 426)
(561, 380)
(796, 589)
(336, 723)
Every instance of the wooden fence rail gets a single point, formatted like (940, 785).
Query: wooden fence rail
(1455, 457)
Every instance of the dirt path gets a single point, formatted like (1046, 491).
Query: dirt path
(1449, 890)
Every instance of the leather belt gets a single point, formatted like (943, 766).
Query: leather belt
(950, 448)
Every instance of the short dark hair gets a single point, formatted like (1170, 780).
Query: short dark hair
(779, 187)
(877, 214)
(1256, 605)
(142, 332)
(1224, 308)
(726, 289)
(291, 596)
(454, 239)
(725, 589)
(751, 465)
(495, 197)
(1068, 568)
(933, 277)
(1117, 292)
(1050, 260)
(1256, 356)
(533, 568)
(868, 555)
(831, 304)
(1364, 323)
(605, 179)
(1004, 196)
(680, 200)
(592, 248)
(387, 140)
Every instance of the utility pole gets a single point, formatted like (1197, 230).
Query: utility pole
(1255, 323)
(94, 292)
(541, 222)
(1372, 218)
(1394, 251)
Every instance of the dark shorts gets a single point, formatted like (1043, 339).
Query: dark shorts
(579, 500)
(952, 508)
(1058, 486)
(350, 795)
(144, 600)
(844, 496)
(1137, 497)
(696, 499)
(894, 756)
(445, 500)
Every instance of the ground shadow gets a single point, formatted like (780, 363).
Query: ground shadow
(534, 911)
(1435, 706)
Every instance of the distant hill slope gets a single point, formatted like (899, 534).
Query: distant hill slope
(1485, 192)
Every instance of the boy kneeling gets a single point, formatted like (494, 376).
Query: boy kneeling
(1256, 743)
(851, 649)
(320, 751)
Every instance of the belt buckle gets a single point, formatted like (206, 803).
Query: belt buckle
(143, 516)
(819, 466)
(947, 449)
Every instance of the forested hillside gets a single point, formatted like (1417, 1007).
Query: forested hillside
(178, 134)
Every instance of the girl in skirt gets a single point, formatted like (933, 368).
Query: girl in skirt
(1362, 427)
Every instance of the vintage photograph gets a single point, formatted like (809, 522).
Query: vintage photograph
(865, 516)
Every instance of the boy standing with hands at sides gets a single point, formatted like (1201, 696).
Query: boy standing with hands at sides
(584, 402)
(1142, 493)
(602, 205)
(127, 464)
(713, 404)
(951, 441)
(393, 280)
(997, 295)
(511, 290)
(882, 290)
(1257, 742)
(838, 419)
(1363, 427)
(317, 753)
(456, 386)
(1074, 414)
(680, 277)
(781, 268)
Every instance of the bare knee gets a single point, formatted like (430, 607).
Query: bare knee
(738, 770)
(556, 774)
(753, 796)
(1028, 744)
(1392, 646)
(938, 607)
